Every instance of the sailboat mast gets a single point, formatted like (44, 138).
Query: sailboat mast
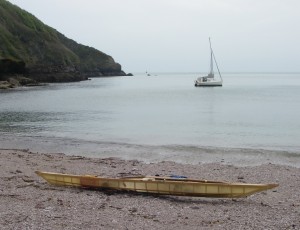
(211, 59)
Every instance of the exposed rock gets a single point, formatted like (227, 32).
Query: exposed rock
(26, 81)
(5, 85)
(55, 73)
(14, 82)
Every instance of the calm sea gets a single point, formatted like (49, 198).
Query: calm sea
(252, 111)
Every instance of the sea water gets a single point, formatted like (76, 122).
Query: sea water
(251, 110)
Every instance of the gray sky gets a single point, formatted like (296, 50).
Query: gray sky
(172, 35)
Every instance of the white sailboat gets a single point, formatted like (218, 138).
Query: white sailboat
(210, 79)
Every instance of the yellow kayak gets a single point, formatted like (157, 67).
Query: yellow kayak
(158, 185)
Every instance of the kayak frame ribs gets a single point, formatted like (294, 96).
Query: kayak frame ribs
(158, 185)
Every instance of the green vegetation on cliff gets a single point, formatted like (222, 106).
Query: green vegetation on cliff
(45, 51)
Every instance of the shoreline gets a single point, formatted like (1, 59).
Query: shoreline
(186, 154)
(28, 202)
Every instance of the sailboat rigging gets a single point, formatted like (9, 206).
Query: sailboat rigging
(210, 79)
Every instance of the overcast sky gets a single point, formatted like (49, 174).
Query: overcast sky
(172, 35)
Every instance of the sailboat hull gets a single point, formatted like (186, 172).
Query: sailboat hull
(208, 82)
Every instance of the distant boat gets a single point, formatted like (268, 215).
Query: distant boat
(210, 79)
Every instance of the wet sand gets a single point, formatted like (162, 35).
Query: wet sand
(28, 202)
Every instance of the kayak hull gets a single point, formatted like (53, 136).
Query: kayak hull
(158, 185)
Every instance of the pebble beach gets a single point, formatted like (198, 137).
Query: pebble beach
(29, 202)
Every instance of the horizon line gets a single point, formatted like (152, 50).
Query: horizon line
(225, 72)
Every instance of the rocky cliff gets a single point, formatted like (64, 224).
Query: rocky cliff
(29, 47)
